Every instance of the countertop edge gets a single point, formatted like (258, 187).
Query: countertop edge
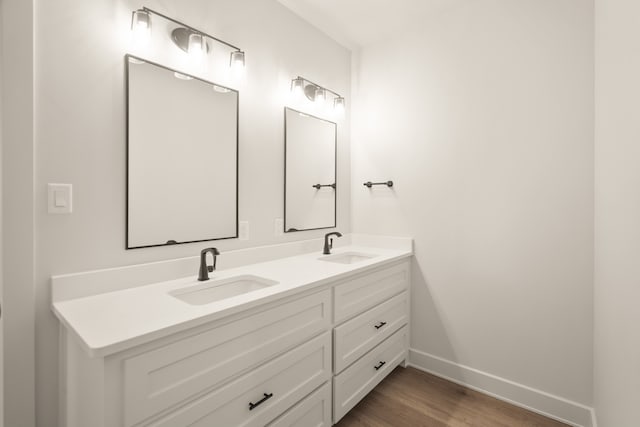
(102, 351)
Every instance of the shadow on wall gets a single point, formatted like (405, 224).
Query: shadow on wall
(427, 321)
(428, 326)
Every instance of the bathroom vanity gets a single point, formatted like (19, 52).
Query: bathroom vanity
(294, 341)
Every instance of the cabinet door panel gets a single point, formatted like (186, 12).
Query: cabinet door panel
(161, 378)
(257, 398)
(360, 378)
(357, 336)
(360, 294)
(313, 411)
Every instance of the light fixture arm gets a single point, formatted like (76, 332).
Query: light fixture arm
(337, 95)
(175, 21)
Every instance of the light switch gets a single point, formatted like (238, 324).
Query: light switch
(60, 198)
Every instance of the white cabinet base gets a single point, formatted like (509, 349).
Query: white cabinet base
(302, 361)
(360, 378)
(313, 411)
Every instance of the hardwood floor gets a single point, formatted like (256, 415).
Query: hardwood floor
(412, 398)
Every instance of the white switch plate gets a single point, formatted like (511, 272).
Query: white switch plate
(59, 198)
(244, 230)
(278, 227)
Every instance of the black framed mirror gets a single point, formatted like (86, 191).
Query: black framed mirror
(310, 172)
(182, 157)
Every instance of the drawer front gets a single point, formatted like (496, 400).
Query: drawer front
(357, 336)
(161, 378)
(364, 292)
(313, 411)
(360, 378)
(257, 398)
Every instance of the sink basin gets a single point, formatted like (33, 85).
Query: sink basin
(216, 290)
(347, 257)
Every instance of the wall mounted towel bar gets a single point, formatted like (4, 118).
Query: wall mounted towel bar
(370, 184)
(319, 186)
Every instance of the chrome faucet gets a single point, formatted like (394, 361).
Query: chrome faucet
(328, 243)
(205, 269)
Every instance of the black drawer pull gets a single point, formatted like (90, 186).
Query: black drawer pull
(380, 365)
(380, 325)
(266, 397)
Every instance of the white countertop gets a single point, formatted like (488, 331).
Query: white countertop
(110, 322)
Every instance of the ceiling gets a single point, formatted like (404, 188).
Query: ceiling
(358, 23)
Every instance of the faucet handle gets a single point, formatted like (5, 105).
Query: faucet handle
(331, 243)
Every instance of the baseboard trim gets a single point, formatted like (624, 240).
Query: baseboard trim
(555, 407)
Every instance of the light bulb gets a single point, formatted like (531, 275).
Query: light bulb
(320, 97)
(141, 27)
(197, 47)
(182, 76)
(297, 87)
(236, 62)
(338, 105)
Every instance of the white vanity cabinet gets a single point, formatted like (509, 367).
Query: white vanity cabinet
(215, 371)
(374, 339)
(302, 360)
(313, 411)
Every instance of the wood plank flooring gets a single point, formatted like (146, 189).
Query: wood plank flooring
(412, 398)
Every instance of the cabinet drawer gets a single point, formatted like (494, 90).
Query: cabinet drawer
(260, 396)
(364, 292)
(159, 379)
(360, 334)
(360, 378)
(313, 411)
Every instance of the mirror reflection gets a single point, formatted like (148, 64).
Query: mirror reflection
(310, 172)
(182, 138)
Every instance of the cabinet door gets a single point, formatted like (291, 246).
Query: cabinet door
(257, 398)
(357, 336)
(313, 411)
(159, 379)
(360, 378)
(362, 293)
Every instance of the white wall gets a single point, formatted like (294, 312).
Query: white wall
(483, 118)
(1, 240)
(617, 213)
(17, 215)
(80, 128)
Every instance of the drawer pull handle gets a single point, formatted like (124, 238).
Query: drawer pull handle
(380, 325)
(380, 365)
(266, 397)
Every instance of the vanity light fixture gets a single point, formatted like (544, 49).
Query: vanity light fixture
(316, 93)
(236, 61)
(141, 26)
(197, 47)
(320, 97)
(187, 38)
(297, 87)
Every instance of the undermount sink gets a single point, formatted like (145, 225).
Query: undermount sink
(216, 290)
(347, 257)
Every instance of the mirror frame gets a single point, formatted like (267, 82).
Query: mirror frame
(127, 57)
(335, 173)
